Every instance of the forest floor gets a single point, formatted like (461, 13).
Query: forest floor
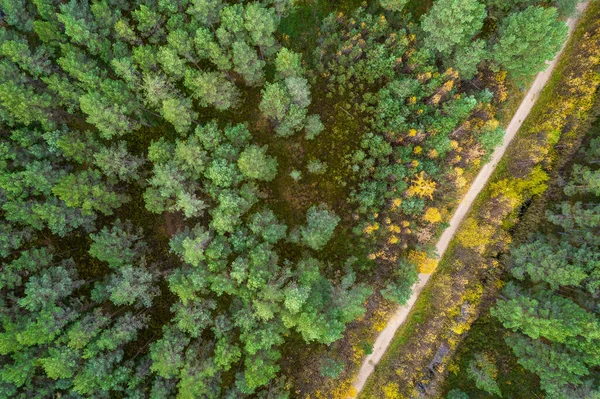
(400, 316)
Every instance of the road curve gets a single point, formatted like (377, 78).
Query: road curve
(387, 334)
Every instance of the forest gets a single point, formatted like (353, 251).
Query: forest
(216, 198)
(511, 309)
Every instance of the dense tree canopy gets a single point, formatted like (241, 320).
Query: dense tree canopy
(188, 194)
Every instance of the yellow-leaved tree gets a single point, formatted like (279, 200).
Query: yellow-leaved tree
(432, 215)
(421, 186)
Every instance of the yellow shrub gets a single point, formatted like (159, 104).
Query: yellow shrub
(453, 368)
(432, 215)
(371, 228)
(342, 390)
(357, 354)
(448, 86)
(460, 328)
(390, 391)
(514, 189)
(394, 228)
(425, 264)
(380, 318)
(474, 235)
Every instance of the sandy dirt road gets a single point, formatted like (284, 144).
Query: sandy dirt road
(387, 334)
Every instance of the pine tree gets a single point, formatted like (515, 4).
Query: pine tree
(320, 224)
(452, 23)
(528, 39)
(256, 164)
